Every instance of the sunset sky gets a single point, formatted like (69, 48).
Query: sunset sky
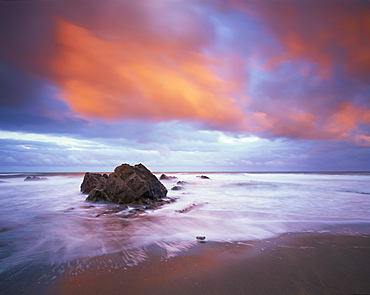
(185, 85)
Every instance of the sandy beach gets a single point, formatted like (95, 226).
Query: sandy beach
(300, 263)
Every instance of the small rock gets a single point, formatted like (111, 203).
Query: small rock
(187, 209)
(113, 210)
(169, 200)
(165, 177)
(203, 177)
(133, 213)
(181, 182)
(201, 238)
(177, 188)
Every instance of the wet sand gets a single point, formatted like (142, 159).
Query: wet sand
(304, 263)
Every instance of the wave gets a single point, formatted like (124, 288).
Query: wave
(50, 220)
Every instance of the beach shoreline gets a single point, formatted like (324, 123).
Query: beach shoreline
(296, 263)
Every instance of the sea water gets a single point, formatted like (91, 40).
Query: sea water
(49, 221)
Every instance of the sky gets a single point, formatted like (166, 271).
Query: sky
(195, 85)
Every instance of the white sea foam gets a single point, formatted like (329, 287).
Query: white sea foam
(50, 221)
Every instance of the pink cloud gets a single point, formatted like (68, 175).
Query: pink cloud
(329, 33)
(346, 119)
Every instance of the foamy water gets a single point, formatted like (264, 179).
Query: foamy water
(50, 222)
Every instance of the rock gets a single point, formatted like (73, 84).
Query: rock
(153, 205)
(165, 177)
(93, 180)
(201, 239)
(181, 182)
(190, 207)
(203, 177)
(133, 213)
(187, 209)
(129, 184)
(97, 195)
(113, 210)
(177, 188)
(169, 200)
(126, 185)
(34, 178)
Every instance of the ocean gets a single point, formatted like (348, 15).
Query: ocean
(49, 222)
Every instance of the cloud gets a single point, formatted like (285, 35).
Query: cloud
(191, 151)
(329, 33)
(276, 69)
(125, 79)
(10, 160)
(314, 84)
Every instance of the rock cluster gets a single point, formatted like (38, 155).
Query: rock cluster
(126, 185)
(191, 207)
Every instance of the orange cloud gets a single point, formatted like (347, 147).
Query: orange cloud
(120, 79)
(155, 79)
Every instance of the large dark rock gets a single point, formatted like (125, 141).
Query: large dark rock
(93, 180)
(126, 185)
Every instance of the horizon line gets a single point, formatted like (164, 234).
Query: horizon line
(192, 171)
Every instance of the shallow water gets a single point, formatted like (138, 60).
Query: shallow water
(49, 221)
